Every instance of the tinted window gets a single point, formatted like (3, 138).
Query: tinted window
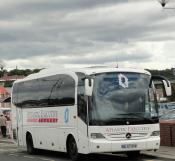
(118, 97)
(28, 93)
(55, 90)
(82, 103)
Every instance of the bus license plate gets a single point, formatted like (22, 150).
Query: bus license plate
(129, 146)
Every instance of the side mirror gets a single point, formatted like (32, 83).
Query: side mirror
(89, 83)
(166, 83)
(167, 86)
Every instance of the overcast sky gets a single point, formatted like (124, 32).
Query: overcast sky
(46, 33)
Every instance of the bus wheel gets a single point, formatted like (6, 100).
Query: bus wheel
(133, 154)
(72, 149)
(29, 142)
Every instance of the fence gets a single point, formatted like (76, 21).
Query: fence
(167, 133)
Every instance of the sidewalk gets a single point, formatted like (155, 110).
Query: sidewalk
(163, 152)
(6, 140)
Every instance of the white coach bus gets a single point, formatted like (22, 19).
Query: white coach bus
(90, 110)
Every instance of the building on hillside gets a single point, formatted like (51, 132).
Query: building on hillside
(4, 94)
(7, 81)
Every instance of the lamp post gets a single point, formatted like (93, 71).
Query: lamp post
(2, 67)
(164, 3)
(173, 70)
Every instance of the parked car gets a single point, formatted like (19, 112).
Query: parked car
(170, 115)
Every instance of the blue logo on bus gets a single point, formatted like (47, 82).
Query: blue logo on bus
(66, 115)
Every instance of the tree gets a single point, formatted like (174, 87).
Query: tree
(2, 65)
(23, 72)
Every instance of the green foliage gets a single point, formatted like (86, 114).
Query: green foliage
(16, 72)
(168, 73)
(8, 83)
(22, 72)
(2, 72)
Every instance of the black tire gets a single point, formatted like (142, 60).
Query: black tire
(133, 154)
(72, 149)
(29, 142)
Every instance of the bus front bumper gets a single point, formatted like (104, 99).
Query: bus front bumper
(102, 145)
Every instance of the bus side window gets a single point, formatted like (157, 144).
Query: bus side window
(57, 90)
(28, 94)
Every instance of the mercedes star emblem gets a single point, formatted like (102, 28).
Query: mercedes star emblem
(128, 135)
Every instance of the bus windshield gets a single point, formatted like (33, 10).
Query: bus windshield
(122, 98)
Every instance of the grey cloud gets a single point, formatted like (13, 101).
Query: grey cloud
(101, 58)
(75, 28)
(18, 7)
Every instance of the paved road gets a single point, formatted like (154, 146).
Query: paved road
(9, 152)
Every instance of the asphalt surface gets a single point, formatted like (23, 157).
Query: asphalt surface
(10, 152)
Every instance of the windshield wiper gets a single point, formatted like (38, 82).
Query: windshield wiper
(137, 115)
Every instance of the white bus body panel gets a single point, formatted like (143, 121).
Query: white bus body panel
(49, 132)
(19, 117)
(115, 138)
(83, 140)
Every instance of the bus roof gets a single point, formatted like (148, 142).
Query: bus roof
(86, 71)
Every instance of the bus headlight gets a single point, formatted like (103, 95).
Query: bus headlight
(155, 133)
(97, 136)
